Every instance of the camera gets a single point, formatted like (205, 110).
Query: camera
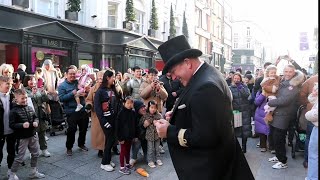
(157, 81)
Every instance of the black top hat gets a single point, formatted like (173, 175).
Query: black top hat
(175, 51)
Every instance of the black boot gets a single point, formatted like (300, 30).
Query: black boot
(115, 150)
(244, 145)
(100, 154)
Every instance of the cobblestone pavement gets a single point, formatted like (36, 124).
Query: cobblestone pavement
(86, 165)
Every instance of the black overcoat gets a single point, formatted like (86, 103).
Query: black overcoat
(204, 108)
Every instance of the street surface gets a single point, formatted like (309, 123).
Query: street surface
(86, 165)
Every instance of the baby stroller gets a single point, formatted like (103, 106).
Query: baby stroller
(300, 127)
(57, 119)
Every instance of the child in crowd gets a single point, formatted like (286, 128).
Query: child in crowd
(270, 85)
(39, 99)
(151, 133)
(127, 132)
(7, 135)
(85, 81)
(24, 122)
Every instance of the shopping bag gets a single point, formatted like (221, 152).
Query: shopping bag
(237, 119)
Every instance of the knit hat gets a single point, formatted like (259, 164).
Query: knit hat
(138, 105)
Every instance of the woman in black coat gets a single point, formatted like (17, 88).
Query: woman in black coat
(107, 96)
(240, 102)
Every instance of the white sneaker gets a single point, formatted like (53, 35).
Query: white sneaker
(107, 167)
(45, 153)
(151, 164)
(13, 176)
(280, 165)
(159, 162)
(79, 107)
(112, 164)
(132, 162)
(273, 159)
(36, 175)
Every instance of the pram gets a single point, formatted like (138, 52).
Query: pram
(57, 119)
(299, 131)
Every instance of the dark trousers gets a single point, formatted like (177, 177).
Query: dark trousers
(144, 146)
(11, 142)
(74, 120)
(291, 130)
(279, 138)
(108, 144)
(263, 140)
(270, 141)
(125, 152)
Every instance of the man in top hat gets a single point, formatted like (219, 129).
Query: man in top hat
(199, 133)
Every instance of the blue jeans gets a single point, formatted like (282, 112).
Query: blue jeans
(306, 145)
(313, 163)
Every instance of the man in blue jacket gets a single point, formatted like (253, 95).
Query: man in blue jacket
(66, 92)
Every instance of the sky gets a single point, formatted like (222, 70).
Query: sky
(283, 20)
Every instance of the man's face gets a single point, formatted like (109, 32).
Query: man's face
(142, 110)
(182, 72)
(21, 99)
(5, 86)
(71, 75)
(137, 73)
(230, 75)
(288, 73)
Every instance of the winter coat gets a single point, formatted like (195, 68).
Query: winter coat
(66, 96)
(259, 123)
(270, 86)
(151, 131)
(20, 114)
(313, 114)
(204, 109)
(306, 89)
(171, 86)
(39, 101)
(2, 112)
(97, 135)
(241, 103)
(101, 96)
(287, 101)
(148, 94)
(133, 87)
(126, 125)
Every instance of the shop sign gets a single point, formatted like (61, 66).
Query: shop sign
(40, 55)
(51, 42)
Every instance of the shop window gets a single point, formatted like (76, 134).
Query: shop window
(59, 58)
(142, 62)
(114, 61)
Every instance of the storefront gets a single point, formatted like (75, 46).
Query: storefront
(31, 38)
